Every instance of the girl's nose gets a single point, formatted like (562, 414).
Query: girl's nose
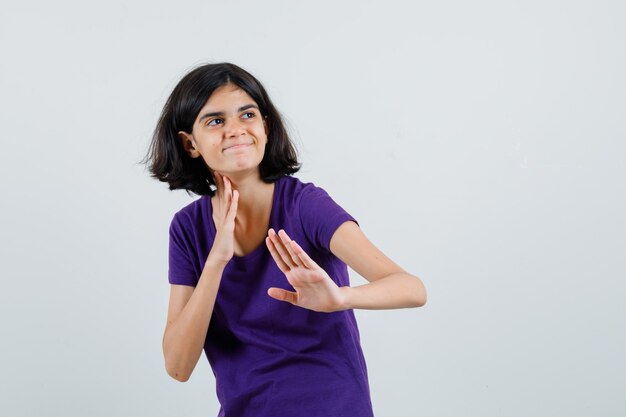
(233, 126)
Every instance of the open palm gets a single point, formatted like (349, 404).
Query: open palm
(315, 290)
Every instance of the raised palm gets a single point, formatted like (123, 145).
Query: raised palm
(315, 290)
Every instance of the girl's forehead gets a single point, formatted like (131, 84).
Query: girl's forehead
(228, 93)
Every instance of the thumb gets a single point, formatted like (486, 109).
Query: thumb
(283, 295)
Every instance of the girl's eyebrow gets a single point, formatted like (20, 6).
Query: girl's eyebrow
(221, 113)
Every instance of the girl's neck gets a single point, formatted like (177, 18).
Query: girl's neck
(255, 196)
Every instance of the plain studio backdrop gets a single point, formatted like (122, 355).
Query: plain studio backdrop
(479, 144)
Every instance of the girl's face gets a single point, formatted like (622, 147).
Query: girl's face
(229, 132)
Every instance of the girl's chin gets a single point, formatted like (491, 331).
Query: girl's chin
(238, 170)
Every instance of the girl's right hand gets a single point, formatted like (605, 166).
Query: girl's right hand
(224, 213)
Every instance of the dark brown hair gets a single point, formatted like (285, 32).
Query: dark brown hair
(167, 159)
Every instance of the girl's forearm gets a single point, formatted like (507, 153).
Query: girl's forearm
(184, 340)
(398, 290)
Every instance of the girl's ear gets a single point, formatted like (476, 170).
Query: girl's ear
(188, 144)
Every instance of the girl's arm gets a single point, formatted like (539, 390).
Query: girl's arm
(189, 315)
(190, 310)
(389, 285)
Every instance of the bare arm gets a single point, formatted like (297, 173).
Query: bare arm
(389, 285)
(189, 315)
(397, 290)
(190, 310)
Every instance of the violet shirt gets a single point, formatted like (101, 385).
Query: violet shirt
(269, 357)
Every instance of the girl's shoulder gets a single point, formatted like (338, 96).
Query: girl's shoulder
(194, 213)
(295, 187)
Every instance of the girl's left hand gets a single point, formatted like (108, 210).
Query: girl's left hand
(315, 290)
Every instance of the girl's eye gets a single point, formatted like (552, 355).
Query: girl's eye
(214, 120)
(249, 113)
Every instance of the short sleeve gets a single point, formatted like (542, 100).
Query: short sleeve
(321, 216)
(181, 270)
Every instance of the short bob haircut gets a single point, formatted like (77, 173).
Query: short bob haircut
(167, 159)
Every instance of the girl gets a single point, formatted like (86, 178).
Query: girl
(257, 264)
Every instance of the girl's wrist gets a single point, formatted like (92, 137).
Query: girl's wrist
(346, 303)
(214, 263)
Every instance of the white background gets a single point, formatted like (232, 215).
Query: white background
(479, 144)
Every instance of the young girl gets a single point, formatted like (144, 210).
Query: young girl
(257, 266)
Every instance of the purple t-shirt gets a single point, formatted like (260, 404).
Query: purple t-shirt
(269, 357)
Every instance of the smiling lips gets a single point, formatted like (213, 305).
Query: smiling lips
(238, 146)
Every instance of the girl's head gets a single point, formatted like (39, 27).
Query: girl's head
(219, 117)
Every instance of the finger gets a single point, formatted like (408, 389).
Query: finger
(303, 256)
(228, 189)
(280, 247)
(227, 194)
(219, 183)
(218, 180)
(232, 211)
(277, 258)
(285, 239)
(283, 295)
